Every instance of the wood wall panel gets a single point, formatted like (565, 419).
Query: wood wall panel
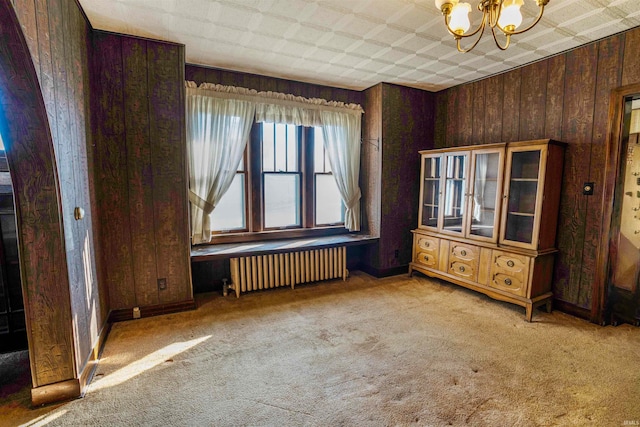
(139, 173)
(581, 69)
(167, 113)
(465, 117)
(532, 100)
(408, 117)
(371, 163)
(493, 109)
(511, 106)
(479, 103)
(111, 170)
(554, 107)
(609, 76)
(564, 97)
(142, 150)
(631, 64)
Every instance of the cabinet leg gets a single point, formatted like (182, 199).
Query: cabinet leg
(410, 271)
(548, 306)
(529, 312)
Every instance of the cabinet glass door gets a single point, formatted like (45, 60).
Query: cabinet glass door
(522, 191)
(455, 192)
(485, 195)
(430, 191)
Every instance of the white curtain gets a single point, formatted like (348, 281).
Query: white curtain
(341, 133)
(217, 133)
(480, 182)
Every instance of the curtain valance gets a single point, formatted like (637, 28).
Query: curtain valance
(275, 107)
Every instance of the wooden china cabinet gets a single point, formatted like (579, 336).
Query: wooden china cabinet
(487, 219)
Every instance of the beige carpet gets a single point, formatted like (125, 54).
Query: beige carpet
(366, 352)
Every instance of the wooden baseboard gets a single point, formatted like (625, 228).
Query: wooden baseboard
(74, 388)
(123, 314)
(92, 363)
(57, 392)
(572, 309)
(383, 272)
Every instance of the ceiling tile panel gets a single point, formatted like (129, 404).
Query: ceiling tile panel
(355, 43)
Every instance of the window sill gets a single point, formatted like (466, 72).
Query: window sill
(263, 247)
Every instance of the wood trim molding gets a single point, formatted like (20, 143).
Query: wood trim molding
(56, 392)
(122, 314)
(612, 162)
(73, 388)
(572, 309)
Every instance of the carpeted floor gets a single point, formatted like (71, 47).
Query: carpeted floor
(366, 352)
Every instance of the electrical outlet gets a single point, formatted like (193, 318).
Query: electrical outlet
(162, 284)
(396, 253)
(136, 312)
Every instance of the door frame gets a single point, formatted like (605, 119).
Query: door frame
(612, 165)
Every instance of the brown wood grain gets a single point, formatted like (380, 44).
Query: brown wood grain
(440, 131)
(609, 76)
(532, 100)
(479, 108)
(111, 170)
(511, 106)
(452, 118)
(139, 170)
(168, 151)
(631, 63)
(579, 103)
(465, 115)
(555, 97)
(493, 109)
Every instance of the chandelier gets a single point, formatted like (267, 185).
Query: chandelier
(502, 15)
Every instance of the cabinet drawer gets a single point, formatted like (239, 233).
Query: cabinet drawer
(430, 259)
(427, 243)
(462, 252)
(510, 272)
(463, 269)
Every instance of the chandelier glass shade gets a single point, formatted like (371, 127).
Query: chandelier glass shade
(501, 16)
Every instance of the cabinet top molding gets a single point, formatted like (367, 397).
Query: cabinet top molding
(494, 145)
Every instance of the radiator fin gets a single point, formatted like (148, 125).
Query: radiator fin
(288, 269)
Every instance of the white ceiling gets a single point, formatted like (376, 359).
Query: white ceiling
(354, 44)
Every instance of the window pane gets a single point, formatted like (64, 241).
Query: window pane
(318, 150)
(281, 200)
(268, 155)
(292, 148)
(328, 202)
(281, 148)
(229, 214)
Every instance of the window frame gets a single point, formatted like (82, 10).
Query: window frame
(254, 194)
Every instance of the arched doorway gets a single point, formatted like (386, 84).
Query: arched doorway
(27, 137)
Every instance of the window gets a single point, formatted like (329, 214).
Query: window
(284, 182)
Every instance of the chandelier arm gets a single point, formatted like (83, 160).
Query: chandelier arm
(472, 46)
(458, 36)
(495, 39)
(525, 29)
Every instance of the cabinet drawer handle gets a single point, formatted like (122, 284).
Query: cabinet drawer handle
(426, 258)
(426, 244)
(461, 268)
(463, 252)
(510, 263)
(507, 282)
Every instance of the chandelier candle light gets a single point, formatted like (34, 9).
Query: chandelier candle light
(501, 14)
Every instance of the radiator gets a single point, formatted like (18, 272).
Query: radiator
(287, 269)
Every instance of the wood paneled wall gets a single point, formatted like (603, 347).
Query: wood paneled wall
(65, 306)
(400, 121)
(140, 168)
(565, 97)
